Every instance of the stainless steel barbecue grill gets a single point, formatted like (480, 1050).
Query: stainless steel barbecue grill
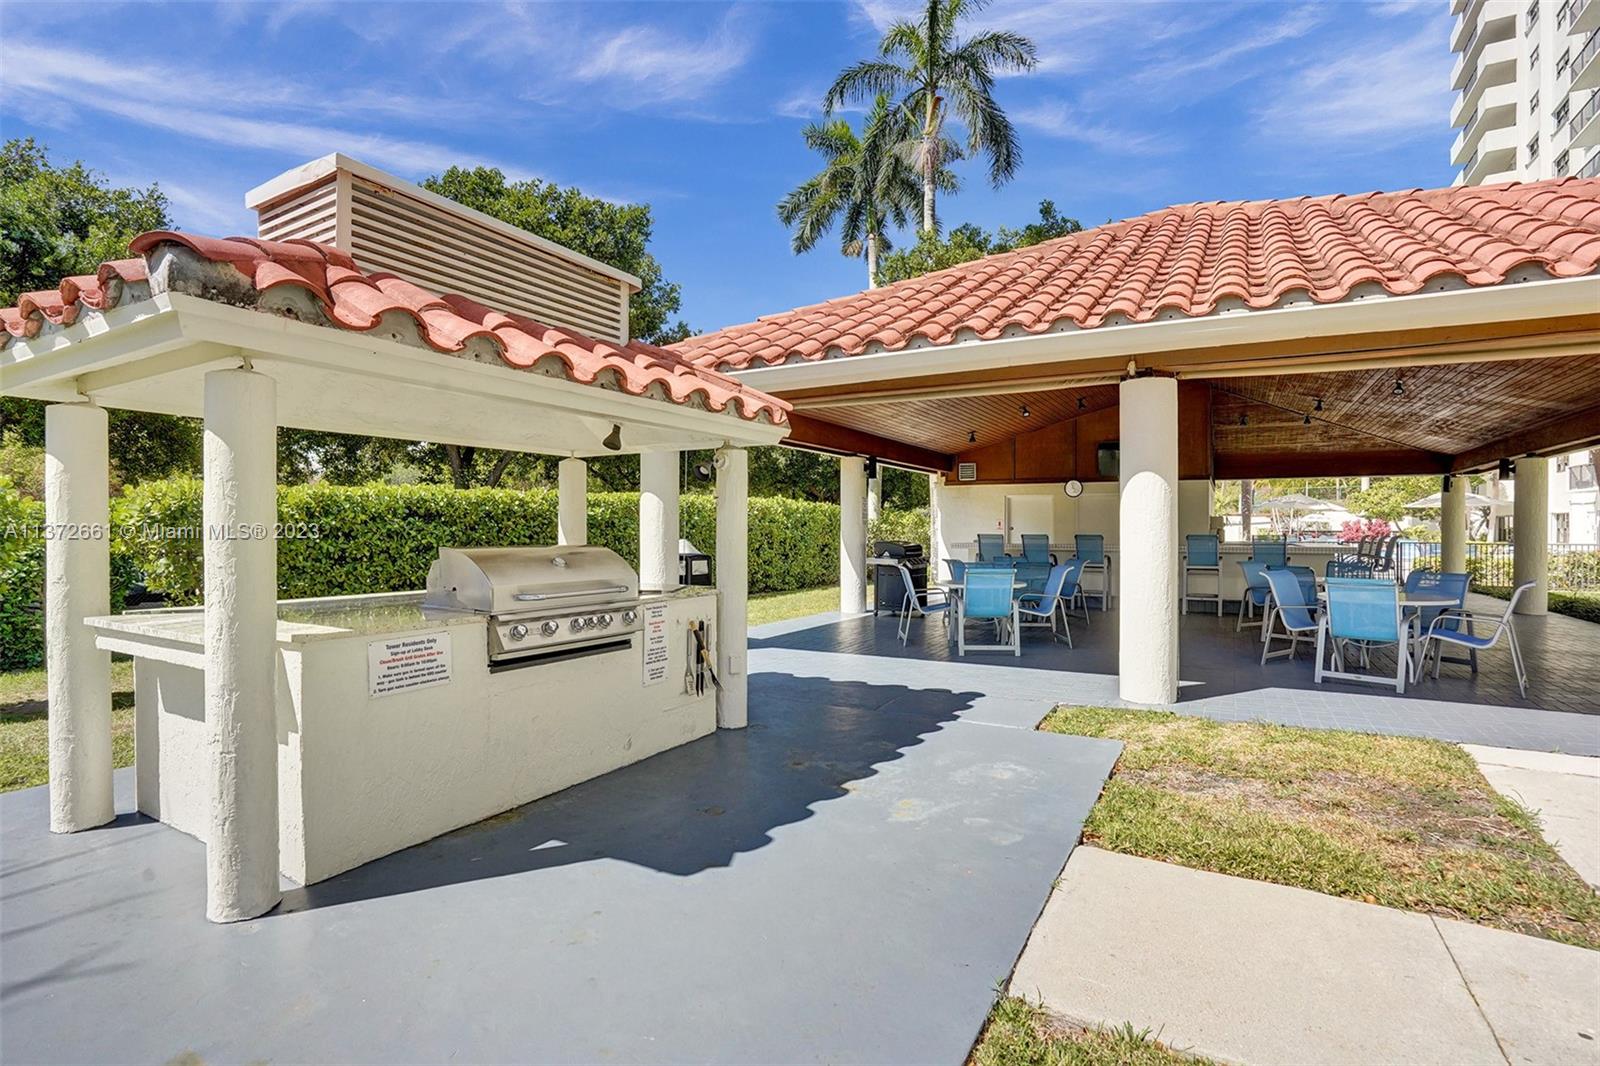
(541, 603)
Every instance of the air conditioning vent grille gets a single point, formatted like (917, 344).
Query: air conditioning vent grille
(966, 471)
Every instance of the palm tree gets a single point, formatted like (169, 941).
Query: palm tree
(933, 73)
(865, 185)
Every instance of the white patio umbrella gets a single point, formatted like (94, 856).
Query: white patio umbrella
(1435, 501)
(1294, 502)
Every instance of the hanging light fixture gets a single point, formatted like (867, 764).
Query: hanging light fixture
(1399, 386)
(1308, 419)
(1082, 403)
(1319, 404)
(613, 441)
(972, 436)
(1244, 419)
(1025, 411)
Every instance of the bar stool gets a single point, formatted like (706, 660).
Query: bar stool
(1091, 548)
(1204, 557)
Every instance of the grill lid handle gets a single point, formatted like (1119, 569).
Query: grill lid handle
(534, 597)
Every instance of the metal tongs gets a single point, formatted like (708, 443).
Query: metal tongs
(703, 664)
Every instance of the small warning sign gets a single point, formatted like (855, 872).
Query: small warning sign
(407, 663)
(655, 643)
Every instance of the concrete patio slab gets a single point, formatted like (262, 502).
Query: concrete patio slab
(845, 880)
(1252, 972)
(1564, 790)
(1222, 678)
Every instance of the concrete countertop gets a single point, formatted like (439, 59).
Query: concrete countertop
(299, 621)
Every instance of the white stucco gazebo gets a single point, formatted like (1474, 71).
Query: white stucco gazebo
(252, 335)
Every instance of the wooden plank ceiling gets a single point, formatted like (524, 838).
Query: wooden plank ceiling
(1259, 423)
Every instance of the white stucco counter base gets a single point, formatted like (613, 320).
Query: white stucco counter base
(361, 775)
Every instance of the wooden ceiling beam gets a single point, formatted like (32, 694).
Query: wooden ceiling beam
(1567, 433)
(817, 435)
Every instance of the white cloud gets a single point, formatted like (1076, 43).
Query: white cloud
(1367, 95)
(661, 66)
(1058, 118)
(1186, 63)
(245, 112)
(206, 212)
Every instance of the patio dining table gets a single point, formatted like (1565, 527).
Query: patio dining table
(1412, 601)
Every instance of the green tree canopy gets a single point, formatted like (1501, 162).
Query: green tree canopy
(56, 221)
(968, 242)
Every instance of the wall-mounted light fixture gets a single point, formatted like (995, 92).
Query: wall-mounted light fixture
(613, 441)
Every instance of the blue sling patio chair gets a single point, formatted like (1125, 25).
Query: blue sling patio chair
(1453, 586)
(986, 597)
(1036, 548)
(1256, 593)
(958, 570)
(1091, 548)
(992, 548)
(1204, 557)
(920, 603)
(1051, 604)
(1442, 631)
(1271, 552)
(1365, 612)
(1290, 607)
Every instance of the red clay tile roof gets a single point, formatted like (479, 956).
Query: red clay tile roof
(349, 298)
(1193, 260)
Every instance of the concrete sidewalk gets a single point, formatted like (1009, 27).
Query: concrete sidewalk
(1250, 972)
(1563, 790)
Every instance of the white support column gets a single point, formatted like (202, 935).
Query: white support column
(572, 496)
(1530, 534)
(874, 497)
(852, 535)
(658, 521)
(241, 578)
(1453, 526)
(1147, 660)
(77, 586)
(733, 580)
(936, 551)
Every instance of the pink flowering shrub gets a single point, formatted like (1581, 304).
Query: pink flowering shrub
(1358, 529)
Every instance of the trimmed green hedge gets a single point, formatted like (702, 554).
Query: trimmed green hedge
(1581, 605)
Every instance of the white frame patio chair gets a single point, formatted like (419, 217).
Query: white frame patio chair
(986, 597)
(1440, 633)
(915, 603)
(1051, 603)
(1292, 608)
(1366, 612)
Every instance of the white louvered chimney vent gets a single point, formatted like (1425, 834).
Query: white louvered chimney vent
(386, 223)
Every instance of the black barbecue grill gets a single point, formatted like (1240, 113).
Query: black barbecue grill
(890, 594)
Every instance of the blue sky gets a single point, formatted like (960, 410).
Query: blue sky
(697, 108)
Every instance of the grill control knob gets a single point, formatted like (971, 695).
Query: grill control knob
(605, 620)
(577, 625)
(518, 631)
(549, 628)
(629, 616)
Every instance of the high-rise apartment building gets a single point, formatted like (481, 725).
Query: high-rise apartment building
(1528, 77)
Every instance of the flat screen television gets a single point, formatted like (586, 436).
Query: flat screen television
(1107, 458)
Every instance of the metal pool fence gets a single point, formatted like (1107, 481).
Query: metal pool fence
(1572, 567)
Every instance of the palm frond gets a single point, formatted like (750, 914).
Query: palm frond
(863, 81)
(998, 50)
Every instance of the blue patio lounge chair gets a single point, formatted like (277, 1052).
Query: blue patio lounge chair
(1290, 607)
(992, 548)
(1365, 612)
(1445, 630)
(921, 603)
(1203, 557)
(1091, 548)
(1052, 603)
(986, 597)
(1271, 552)
(1256, 593)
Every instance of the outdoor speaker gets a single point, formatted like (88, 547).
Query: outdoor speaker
(1108, 459)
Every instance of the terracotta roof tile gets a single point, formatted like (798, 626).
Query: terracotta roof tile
(1190, 259)
(355, 300)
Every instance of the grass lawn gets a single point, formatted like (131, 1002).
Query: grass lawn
(1021, 1034)
(24, 735)
(778, 606)
(1390, 820)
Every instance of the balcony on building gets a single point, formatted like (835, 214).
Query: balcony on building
(1584, 16)
(1495, 154)
(1584, 127)
(1585, 69)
